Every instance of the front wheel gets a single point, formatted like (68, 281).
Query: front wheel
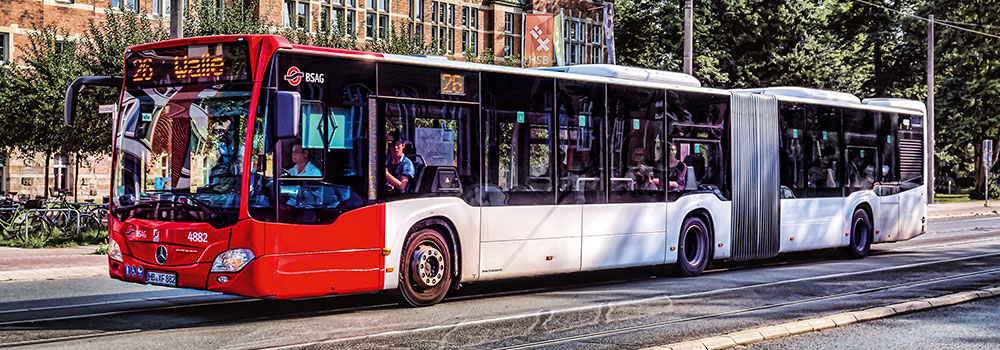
(425, 269)
(694, 247)
(861, 235)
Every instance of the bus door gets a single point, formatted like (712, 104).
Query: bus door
(887, 181)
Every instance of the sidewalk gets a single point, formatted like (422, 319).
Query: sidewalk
(18, 264)
(961, 209)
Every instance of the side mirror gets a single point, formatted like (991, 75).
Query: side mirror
(287, 116)
(69, 109)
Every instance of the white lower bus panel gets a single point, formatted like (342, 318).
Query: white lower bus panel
(720, 217)
(812, 223)
(400, 216)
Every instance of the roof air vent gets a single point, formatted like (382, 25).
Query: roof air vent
(801, 92)
(629, 73)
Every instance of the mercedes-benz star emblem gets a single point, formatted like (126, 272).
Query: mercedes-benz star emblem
(161, 255)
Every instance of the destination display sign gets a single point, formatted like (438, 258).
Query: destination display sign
(189, 65)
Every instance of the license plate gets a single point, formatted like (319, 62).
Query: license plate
(161, 278)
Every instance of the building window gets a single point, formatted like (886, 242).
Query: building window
(296, 14)
(579, 45)
(4, 45)
(3, 176)
(508, 22)
(158, 7)
(443, 26)
(508, 45)
(377, 19)
(132, 5)
(417, 18)
(60, 168)
(337, 16)
(470, 24)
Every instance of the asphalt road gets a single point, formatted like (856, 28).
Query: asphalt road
(964, 326)
(627, 308)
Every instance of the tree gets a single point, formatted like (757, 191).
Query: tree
(206, 18)
(36, 88)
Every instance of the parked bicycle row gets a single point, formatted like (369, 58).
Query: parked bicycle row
(40, 219)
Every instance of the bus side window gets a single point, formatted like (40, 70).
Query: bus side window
(519, 135)
(636, 143)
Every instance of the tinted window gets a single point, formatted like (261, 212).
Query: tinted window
(517, 114)
(696, 152)
(439, 149)
(428, 83)
(821, 151)
(321, 173)
(888, 155)
(636, 143)
(792, 149)
(580, 160)
(860, 134)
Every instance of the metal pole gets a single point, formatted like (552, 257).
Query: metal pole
(688, 35)
(930, 110)
(176, 22)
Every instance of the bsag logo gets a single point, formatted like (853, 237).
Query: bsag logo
(295, 76)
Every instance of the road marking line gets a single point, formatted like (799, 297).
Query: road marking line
(788, 329)
(550, 313)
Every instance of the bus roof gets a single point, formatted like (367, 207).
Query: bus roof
(600, 73)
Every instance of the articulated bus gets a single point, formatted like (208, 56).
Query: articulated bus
(251, 166)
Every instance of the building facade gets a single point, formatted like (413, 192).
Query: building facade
(454, 26)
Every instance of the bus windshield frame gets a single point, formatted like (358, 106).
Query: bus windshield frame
(181, 134)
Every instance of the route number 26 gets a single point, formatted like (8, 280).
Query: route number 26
(452, 84)
(198, 237)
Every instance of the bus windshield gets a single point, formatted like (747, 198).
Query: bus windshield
(179, 144)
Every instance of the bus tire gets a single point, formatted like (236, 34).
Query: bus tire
(425, 269)
(693, 247)
(861, 235)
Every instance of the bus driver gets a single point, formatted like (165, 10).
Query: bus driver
(303, 167)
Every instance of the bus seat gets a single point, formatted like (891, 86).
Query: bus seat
(691, 180)
(418, 171)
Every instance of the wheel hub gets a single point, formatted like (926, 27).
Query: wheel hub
(427, 266)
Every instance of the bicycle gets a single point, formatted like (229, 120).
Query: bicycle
(23, 224)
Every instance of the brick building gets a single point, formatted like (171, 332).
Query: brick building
(453, 24)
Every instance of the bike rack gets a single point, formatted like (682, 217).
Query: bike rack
(70, 210)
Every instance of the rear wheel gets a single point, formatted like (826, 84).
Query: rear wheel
(861, 235)
(37, 228)
(694, 247)
(425, 269)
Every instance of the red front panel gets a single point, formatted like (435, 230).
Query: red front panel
(343, 257)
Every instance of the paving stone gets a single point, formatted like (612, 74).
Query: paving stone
(821, 323)
(843, 319)
(773, 332)
(910, 306)
(746, 337)
(718, 343)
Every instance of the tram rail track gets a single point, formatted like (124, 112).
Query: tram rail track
(513, 292)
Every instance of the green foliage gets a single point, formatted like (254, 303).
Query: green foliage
(205, 18)
(401, 41)
(36, 88)
(979, 194)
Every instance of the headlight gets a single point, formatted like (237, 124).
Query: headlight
(232, 260)
(114, 251)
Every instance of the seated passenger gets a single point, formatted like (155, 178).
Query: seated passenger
(303, 167)
(398, 169)
(676, 171)
(640, 172)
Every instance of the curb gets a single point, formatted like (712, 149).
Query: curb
(963, 215)
(824, 322)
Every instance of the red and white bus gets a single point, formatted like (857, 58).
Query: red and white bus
(251, 166)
